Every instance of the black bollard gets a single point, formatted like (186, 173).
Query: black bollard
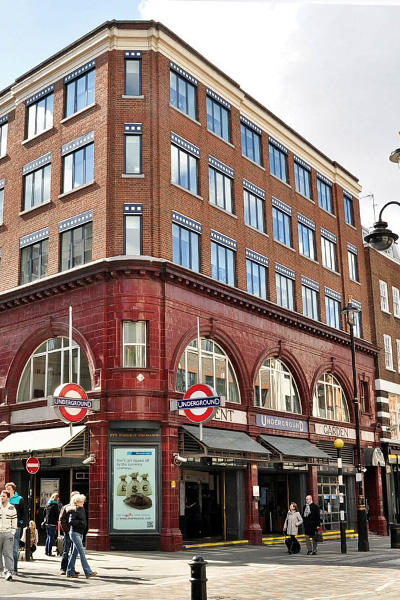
(198, 578)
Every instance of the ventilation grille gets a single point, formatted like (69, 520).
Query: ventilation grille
(79, 446)
(329, 448)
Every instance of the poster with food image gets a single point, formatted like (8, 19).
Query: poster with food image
(134, 489)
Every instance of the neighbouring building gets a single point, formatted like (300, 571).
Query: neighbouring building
(383, 270)
(144, 188)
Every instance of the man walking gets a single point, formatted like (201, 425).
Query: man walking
(8, 525)
(312, 521)
(63, 520)
(17, 501)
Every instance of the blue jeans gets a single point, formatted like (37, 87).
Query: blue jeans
(51, 533)
(17, 537)
(78, 548)
(66, 548)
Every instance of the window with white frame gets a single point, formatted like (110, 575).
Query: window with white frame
(329, 399)
(387, 344)
(186, 241)
(353, 262)
(278, 160)
(48, 367)
(34, 256)
(40, 112)
(358, 322)
(251, 140)
(80, 88)
(184, 163)
(329, 250)
(3, 135)
(396, 301)
(324, 188)
(134, 344)
(216, 369)
(254, 206)
(220, 181)
(394, 409)
(133, 148)
(310, 297)
(218, 115)
(183, 90)
(223, 250)
(282, 222)
(37, 179)
(284, 281)
(398, 355)
(133, 73)
(333, 308)
(275, 388)
(133, 214)
(1, 200)
(78, 162)
(257, 274)
(306, 231)
(348, 209)
(302, 177)
(383, 291)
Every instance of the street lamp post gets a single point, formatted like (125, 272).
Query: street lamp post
(338, 443)
(350, 312)
(381, 238)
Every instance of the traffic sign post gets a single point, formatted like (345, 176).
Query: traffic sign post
(32, 465)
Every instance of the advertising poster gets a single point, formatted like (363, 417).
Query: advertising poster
(47, 488)
(134, 489)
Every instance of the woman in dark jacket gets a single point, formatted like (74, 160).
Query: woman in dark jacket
(51, 519)
(78, 523)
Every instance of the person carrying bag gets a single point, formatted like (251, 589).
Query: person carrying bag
(291, 528)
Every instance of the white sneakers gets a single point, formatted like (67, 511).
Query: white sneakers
(8, 576)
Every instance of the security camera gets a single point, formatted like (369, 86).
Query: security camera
(90, 460)
(178, 460)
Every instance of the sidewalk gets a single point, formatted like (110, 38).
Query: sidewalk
(234, 573)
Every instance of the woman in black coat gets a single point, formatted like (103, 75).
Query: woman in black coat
(311, 520)
(51, 520)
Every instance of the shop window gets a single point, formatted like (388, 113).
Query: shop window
(216, 369)
(276, 389)
(48, 367)
(134, 343)
(328, 500)
(329, 400)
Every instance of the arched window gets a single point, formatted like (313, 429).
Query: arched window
(329, 399)
(48, 367)
(216, 369)
(275, 387)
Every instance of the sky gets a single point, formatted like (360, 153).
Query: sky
(331, 71)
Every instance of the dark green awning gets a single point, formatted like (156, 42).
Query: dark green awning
(226, 439)
(293, 447)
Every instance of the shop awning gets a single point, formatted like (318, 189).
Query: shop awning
(298, 448)
(57, 441)
(221, 442)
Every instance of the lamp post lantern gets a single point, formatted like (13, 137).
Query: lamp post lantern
(339, 443)
(350, 313)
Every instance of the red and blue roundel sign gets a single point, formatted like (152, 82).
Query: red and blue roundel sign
(200, 402)
(71, 403)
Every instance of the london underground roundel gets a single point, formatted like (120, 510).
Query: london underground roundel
(71, 403)
(200, 402)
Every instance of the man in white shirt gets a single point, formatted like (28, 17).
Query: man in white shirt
(8, 525)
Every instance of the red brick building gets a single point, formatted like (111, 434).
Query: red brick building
(384, 283)
(145, 189)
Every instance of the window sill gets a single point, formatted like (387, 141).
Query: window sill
(257, 230)
(253, 162)
(387, 312)
(181, 112)
(186, 190)
(29, 210)
(79, 112)
(130, 97)
(355, 281)
(221, 138)
(331, 271)
(309, 258)
(223, 210)
(305, 197)
(351, 226)
(80, 187)
(327, 211)
(284, 245)
(281, 181)
(3, 156)
(35, 137)
(132, 175)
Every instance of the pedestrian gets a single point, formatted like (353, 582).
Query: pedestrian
(34, 537)
(8, 526)
(312, 521)
(17, 501)
(51, 520)
(78, 523)
(291, 527)
(67, 545)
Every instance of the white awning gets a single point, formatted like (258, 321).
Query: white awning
(50, 442)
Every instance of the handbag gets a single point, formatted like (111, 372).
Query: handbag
(318, 536)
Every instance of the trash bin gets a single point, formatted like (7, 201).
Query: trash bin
(394, 535)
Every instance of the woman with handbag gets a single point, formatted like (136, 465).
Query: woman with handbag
(291, 527)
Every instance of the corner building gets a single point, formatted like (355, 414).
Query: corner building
(145, 189)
